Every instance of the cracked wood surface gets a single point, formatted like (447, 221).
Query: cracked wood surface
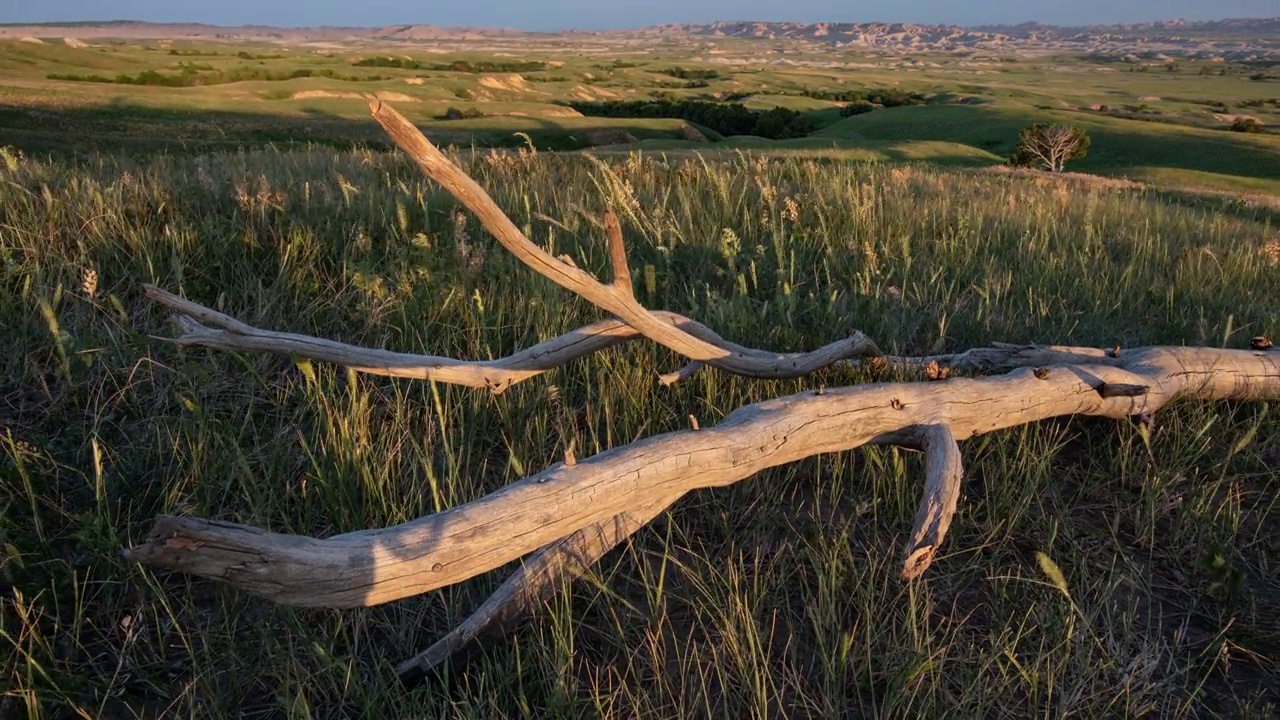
(370, 567)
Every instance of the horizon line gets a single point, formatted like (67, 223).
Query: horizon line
(56, 23)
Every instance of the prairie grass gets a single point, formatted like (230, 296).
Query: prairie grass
(1094, 570)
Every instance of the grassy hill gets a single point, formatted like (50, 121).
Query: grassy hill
(1156, 121)
(1177, 155)
(274, 200)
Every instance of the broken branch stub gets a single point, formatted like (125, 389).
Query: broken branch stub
(537, 579)
(376, 566)
(943, 472)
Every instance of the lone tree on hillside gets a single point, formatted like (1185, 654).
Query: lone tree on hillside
(1049, 147)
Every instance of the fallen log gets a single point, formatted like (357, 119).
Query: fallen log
(573, 513)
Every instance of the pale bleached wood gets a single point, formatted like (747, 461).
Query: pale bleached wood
(943, 471)
(229, 333)
(617, 297)
(617, 252)
(376, 566)
(538, 578)
(683, 373)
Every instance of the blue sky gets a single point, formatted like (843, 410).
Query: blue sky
(600, 14)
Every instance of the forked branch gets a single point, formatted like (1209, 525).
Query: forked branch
(228, 333)
(376, 566)
(617, 297)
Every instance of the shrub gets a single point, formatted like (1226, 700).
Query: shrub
(455, 66)
(1248, 125)
(781, 124)
(723, 118)
(454, 113)
(189, 77)
(857, 107)
(691, 73)
(884, 97)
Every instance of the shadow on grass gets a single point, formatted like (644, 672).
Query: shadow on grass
(137, 129)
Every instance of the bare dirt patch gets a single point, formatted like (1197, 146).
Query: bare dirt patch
(513, 82)
(546, 112)
(690, 132)
(1230, 118)
(582, 92)
(381, 94)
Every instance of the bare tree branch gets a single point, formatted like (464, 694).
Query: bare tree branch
(538, 578)
(617, 253)
(496, 375)
(616, 298)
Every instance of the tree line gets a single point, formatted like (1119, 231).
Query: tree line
(464, 66)
(191, 77)
(778, 123)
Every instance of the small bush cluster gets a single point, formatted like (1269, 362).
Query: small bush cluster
(463, 66)
(190, 76)
(243, 54)
(858, 107)
(1248, 125)
(884, 97)
(454, 113)
(691, 73)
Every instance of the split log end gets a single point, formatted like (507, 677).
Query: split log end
(917, 562)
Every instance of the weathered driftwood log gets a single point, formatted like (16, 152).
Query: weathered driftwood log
(376, 566)
(599, 501)
(575, 512)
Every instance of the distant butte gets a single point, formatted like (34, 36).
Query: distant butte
(1254, 39)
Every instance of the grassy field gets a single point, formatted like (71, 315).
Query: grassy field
(1152, 121)
(275, 200)
(776, 596)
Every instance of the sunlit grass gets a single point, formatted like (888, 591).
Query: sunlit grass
(776, 596)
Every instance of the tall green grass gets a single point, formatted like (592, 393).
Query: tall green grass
(777, 596)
